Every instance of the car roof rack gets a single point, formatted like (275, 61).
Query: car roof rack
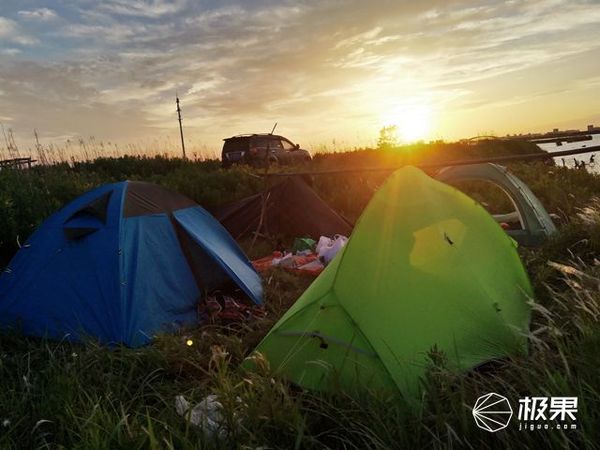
(253, 134)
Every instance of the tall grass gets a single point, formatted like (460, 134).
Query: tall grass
(63, 395)
(60, 395)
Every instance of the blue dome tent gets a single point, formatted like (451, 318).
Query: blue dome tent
(119, 264)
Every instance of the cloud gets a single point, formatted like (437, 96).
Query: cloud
(57, 100)
(10, 51)
(11, 32)
(7, 27)
(140, 8)
(43, 14)
(335, 65)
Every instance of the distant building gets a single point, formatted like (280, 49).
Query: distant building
(555, 130)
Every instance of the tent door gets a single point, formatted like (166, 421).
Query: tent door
(209, 275)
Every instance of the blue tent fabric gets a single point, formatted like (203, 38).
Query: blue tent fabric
(170, 300)
(209, 237)
(119, 279)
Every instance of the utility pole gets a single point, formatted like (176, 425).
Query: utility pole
(180, 126)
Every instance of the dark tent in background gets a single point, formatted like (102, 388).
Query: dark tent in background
(120, 264)
(292, 209)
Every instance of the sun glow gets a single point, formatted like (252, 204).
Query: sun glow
(413, 122)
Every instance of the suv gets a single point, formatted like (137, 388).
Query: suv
(261, 149)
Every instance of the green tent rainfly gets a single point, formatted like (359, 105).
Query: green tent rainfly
(425, 267)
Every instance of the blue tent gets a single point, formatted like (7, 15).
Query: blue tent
(121, 263)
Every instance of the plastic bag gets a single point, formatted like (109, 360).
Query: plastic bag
(206, 415)
(328, 248)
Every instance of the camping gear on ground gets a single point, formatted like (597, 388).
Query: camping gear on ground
(266, 263)
(303, 244)
(290, 208)
(286, 260)
(327, 248)
(300, 264)
(534, 221)
(120, 264)
(312, 268)
(224, 309)
(426, 269)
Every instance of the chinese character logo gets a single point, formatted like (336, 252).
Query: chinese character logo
(533, 408)
(538, 408)
(492, 412)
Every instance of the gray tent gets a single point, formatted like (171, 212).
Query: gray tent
(535, 223)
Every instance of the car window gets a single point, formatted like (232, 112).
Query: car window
(273, 144)
(235, 145)
(259, 143)
(287, 145)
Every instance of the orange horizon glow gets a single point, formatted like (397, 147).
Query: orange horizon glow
(331, 75)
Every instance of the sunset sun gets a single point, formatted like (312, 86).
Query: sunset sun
(413, 122)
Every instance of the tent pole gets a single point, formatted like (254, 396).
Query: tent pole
(265, 199)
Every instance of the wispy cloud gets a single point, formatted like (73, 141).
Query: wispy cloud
(11, 32)
(10, 51)
(139, 8)
(43, 14)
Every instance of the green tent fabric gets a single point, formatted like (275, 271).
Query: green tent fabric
(426, 266)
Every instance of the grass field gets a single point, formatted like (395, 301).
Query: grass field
(61, 395)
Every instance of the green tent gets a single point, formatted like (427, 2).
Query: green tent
(425, 267)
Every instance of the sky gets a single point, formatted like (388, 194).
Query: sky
(330, 73)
